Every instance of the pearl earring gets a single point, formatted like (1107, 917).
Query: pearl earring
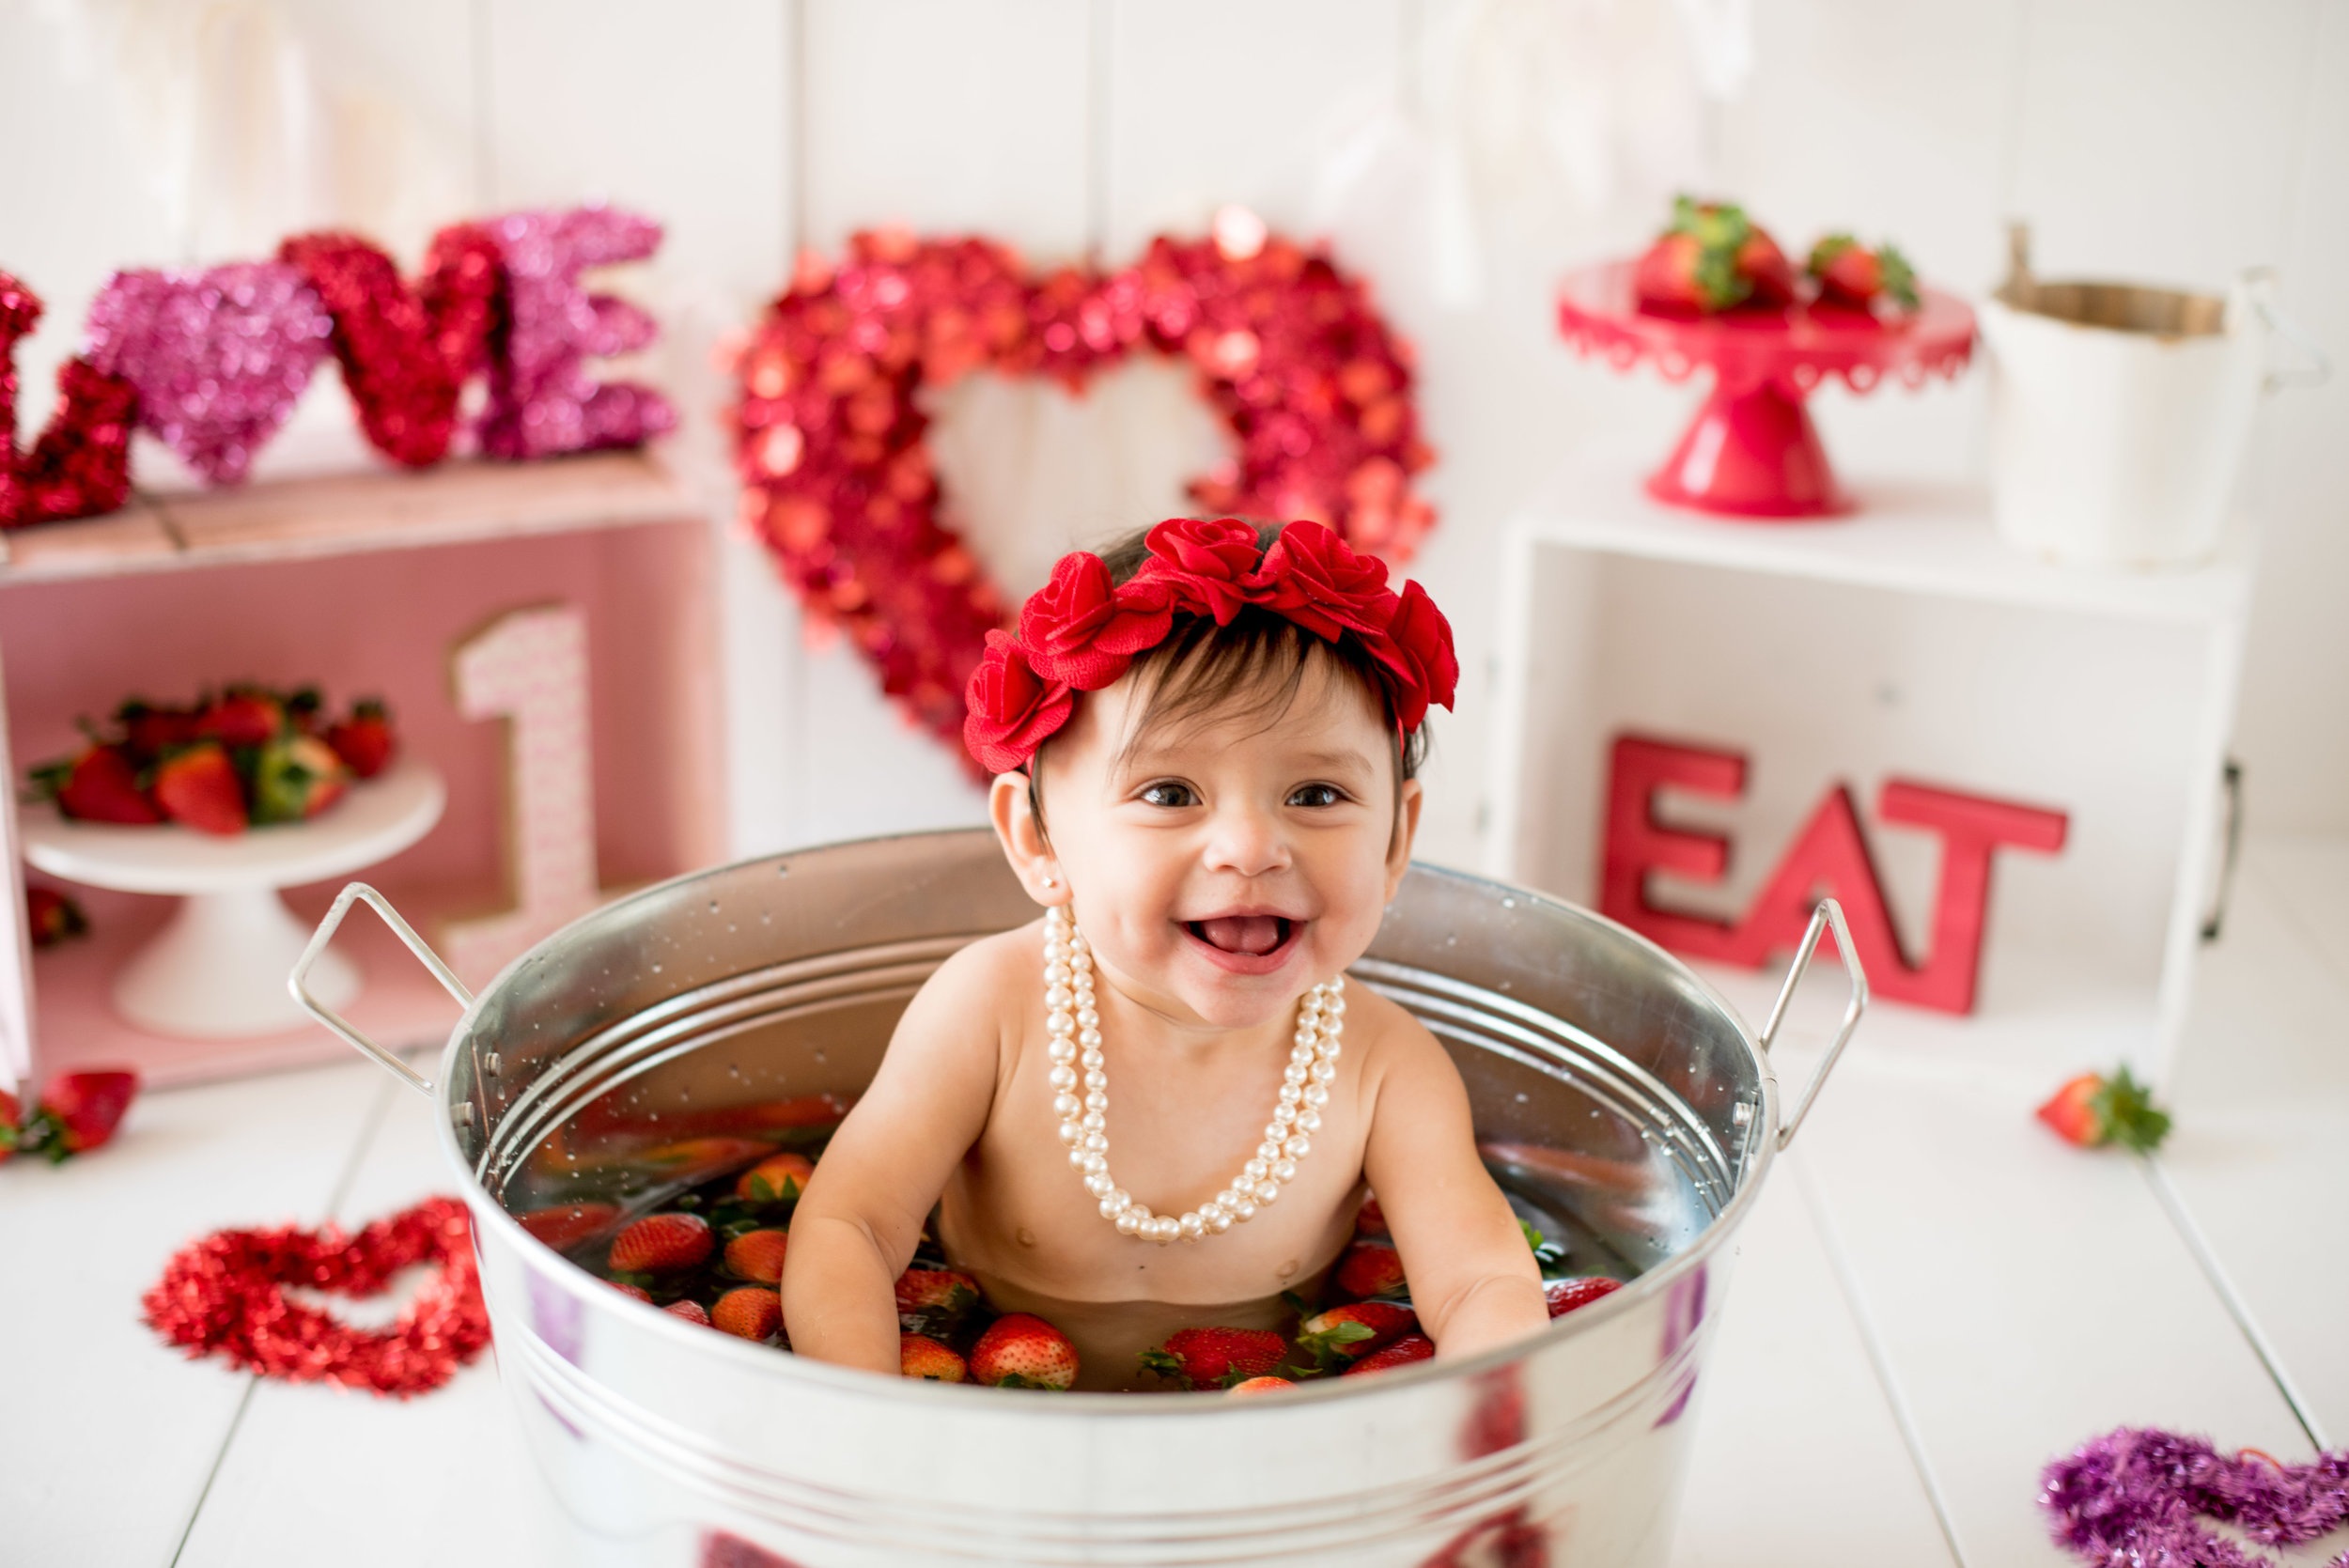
(1051, 881)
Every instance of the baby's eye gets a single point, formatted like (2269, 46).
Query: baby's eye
(1166, 792)
(1315, 795)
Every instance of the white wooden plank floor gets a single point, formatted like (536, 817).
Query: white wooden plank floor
(1931, 1300)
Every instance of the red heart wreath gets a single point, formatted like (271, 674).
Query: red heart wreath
(226, 1294)
(1314, 386)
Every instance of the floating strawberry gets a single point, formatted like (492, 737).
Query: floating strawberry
(102, 785)
(921, 1356)
(296, 777)
(1370, 1220)
(689, 1310)
(1402, 1353)
(51, 917)
(1852, 275)
(634, 1293)
(1022, 1351)
(1370, 1268)
(1564, 1295)
(2092, 1110)
(1354, 1331)
(661, 1242)
(757, 1255)
(1216, 1358)
(748, 1312)
(776, 1179)
(78, 1112)
(242, 716)
(1255, 1385)
(565, 1226)
(935, 1292)
(8, 1130)
(365, 740)
(198, 788)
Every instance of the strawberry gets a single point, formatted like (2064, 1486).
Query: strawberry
(2092, 1110)
(302, 710)
(153, 730)
(294, 777)
(51, 917)
(748, 1312)
(1711, 258)
(634, 1293)
(100, 786)
(1352, 1331)
(661, 1242)
(365, 740)
(1402, 1353)
(1370, 1220)
(1216, 1358)
(198, 788)
(939, 1291)
(759, 1255)
(1370, 1268)
(776, 1179)
(78, 1112)
(1852, 275)
(1020, 1351)
(1564, 1295)
(1255, 1385)
(9, 1131)
(565, 1226)
(923, 1358)
(688, 1309)
(242, 716)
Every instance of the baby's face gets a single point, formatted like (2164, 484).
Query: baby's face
(1225, 863)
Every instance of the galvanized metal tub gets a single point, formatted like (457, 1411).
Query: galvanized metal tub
(1619, 1096)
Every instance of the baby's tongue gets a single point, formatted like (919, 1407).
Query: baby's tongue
(1251, 934)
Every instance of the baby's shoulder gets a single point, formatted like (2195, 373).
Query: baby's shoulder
(991, 978)
(1386, 1033)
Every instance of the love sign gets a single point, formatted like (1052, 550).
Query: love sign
(213, 361)
(1313, 388)
(1828, 858)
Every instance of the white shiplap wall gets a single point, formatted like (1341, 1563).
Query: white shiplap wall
(2175, 140)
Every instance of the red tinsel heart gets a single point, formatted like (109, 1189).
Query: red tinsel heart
(226, 1294)
(405, 355)
(82, 463)
(1314, 388)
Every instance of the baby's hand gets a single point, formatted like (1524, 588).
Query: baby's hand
(1473, 1281)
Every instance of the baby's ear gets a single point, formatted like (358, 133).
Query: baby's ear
(1012, 809)
(1407, 802)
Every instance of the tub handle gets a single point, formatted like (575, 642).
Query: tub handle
(297, 981)
(1828, 913)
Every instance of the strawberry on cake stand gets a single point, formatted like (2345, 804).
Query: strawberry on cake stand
(218, 968)
(1752, 451)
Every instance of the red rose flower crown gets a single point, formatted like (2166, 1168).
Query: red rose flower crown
(1080, 632)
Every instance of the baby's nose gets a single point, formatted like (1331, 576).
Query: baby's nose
(1248, 842)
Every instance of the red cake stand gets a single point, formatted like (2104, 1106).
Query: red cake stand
(1752, 451)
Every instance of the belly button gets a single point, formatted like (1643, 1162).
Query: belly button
(1288, 1269)
(1027, 1237)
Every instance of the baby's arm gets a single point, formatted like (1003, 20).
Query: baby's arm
(1473, 1279)
(861, 1218)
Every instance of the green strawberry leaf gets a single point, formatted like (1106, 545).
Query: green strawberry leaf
(1162, 1363)
(1899, 278)
(2126, 1111)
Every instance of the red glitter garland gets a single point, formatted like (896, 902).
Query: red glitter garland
(839, 483)
(226, 1295)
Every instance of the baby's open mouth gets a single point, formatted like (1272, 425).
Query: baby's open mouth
(1252, 936)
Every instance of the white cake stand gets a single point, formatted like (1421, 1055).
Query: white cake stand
(218, 970)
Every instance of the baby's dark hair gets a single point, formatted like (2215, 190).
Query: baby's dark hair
(1201, 667)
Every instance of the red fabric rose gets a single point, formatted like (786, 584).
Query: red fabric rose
(1310, 576)
(1206, 561)
(1417, 650)
(1012, 711)
(1081, 630)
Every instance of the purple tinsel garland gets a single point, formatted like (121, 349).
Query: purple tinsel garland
(2139, 1498)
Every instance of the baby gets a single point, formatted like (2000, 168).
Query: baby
(1161, 1105)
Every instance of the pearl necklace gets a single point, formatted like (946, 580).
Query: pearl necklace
(1075, 1027)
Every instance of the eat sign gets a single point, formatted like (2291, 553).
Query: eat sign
(1828, 858)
